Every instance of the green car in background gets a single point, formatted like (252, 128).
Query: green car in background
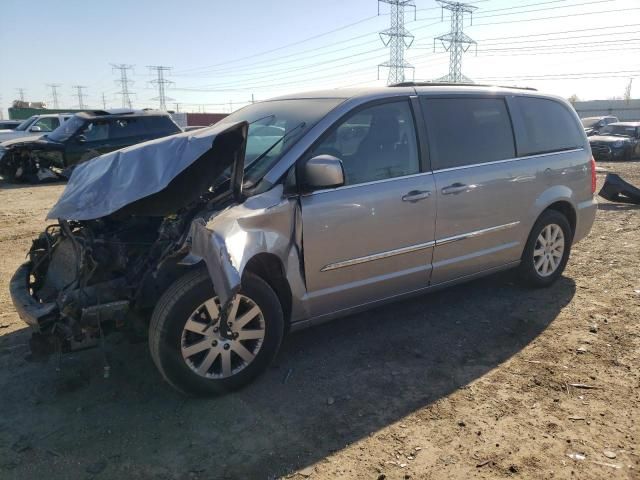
(84, 136)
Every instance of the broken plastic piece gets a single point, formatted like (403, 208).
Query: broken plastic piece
(615, 189)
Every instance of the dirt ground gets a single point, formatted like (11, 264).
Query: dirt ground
(473, 381)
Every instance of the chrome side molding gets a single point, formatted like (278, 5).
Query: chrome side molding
(415, 248)
(377, 256)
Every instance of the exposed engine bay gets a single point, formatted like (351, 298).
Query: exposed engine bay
(104, 274)
(33, 162)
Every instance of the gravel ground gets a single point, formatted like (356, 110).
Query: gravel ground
(473, 381)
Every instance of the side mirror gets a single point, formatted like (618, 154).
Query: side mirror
(81, 139)
(35, 129)
(322, 171)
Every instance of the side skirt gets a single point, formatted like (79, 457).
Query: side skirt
(309, 322)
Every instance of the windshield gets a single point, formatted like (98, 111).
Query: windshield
(589, 122)
(269, 122)
(619, 130)
(67, 129)
(24, 125)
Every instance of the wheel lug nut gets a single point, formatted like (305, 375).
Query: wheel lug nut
(226, 346)
(214, 343)
(235, 335)
(215, 329)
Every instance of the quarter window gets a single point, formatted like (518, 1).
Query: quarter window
(467, 131)
(546, 126)
(375, 143)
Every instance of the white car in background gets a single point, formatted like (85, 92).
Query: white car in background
(36, 125)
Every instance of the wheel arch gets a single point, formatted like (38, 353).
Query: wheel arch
(270, 268)
(567, 209)
(559, 198)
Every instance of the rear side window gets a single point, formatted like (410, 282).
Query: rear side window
(126, 127)
(545, 126)
(467, 131)
(159, 126)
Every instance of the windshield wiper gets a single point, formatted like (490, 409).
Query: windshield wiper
(275, 144)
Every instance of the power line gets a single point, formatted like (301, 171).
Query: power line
(285, 46)
(124, 83)
(80, 95)
(161, 83)
(54, 94)
(456, 42)
(599, 12)
(286, 73)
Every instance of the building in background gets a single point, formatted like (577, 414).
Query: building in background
(625, 110)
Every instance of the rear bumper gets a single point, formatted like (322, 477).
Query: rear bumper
(585, 216)
(35, 314)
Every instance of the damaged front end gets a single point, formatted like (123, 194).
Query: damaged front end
(109, 257)
(35, 161)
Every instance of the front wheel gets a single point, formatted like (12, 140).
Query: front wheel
(547, 250)
(186, 343)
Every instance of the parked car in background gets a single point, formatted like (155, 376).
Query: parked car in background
(592, 125)
(84, 136)
(301, 209)
(617, 141)
(36, 125)
(9, 124)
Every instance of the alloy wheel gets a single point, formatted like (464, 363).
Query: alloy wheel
(208, 353)
(548, 251)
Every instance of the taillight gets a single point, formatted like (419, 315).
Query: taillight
(593, 175)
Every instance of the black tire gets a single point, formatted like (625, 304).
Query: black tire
(527, 271)
(174, 309)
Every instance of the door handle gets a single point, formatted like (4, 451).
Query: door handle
(455, 188)
(416, 195)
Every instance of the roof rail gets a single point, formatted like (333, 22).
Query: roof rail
(451, 84)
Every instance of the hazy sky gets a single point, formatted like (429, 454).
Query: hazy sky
(225, 51)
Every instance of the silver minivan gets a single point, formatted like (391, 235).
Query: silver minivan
(301, 209)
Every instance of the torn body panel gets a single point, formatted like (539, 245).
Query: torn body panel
(268, 223)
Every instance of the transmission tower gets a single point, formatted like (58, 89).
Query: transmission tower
(161, 83)
(21, 93)
(124, 83)
(1, 113)
(104, 101)
(397, 38)
(54, 94)
(80, 95)
(456, 42)
(627, 91)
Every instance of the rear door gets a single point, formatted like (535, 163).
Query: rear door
(372, 238)
(482, 191)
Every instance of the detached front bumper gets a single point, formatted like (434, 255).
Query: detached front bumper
(37, 315)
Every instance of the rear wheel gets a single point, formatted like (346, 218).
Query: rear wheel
(547, 250)
(187, 345)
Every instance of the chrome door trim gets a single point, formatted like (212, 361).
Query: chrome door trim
(516, 159)
(377, 256)
(476, 233)
(415, 248)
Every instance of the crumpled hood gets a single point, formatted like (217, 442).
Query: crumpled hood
(18, 141)
(153, 178)
(608, 138)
